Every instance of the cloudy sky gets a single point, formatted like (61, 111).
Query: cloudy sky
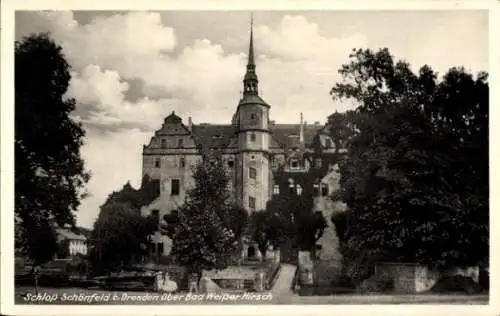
(131, 69)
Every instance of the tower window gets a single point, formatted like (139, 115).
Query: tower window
(253, 173)
(175, 189)
(251, 202)
(253, 116)
(163, 143)
(253, 137)
(157, 163)
(182, 162)
(294, 163)
(180, 143)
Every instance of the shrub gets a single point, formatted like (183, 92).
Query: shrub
(376, 284)
(456, 283)
(484, 279)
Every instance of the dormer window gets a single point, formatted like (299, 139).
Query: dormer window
(163, 143)
(180, 143)
(157, 163)
(328, 143)
(294, 164)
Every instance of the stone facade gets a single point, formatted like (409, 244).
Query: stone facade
(257, 153)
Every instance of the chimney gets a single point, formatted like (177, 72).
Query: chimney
(301, 130)
(316, 123)
(190, 124)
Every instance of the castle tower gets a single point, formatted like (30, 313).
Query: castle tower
(252, 118)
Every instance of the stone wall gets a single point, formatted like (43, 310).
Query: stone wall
(415, 278)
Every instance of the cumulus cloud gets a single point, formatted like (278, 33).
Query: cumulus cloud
(114, 158)
(101, 97)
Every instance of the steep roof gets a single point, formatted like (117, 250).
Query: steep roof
(67, 234)
(222, 136)
(282, 132)
(213, 136)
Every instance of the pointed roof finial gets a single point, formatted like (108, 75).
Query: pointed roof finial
(250, 49)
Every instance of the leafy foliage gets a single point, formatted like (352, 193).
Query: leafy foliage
(416, 177)
(207, 235)
(267, 228)
(120, 236)
(298, 222)
(49, 170)
(121, 229)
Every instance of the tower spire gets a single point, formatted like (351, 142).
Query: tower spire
(250, 82)
(251, 61)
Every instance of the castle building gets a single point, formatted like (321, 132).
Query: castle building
(262, 158)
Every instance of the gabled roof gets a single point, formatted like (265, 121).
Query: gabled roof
(172, 125)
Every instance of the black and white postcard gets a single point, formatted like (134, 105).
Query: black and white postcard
(172, 157)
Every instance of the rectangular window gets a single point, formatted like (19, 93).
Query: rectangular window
(251, 202)
(299, 189)
(253, 173)
(156, 187)
(252, 137)
(317, 163)
(276, 189)
(274, 162)
(175, 187)
(156, 215)
(316, 189)
(160, 248)
(183, 162)
(324, 189)
(180, 143)
(157, 163)
(294, 163)
(328, 143)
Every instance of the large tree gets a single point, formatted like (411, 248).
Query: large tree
(120, 236)
(416, 177)
(267, 228)
(49, 170)
(299, 224)
(206, 237)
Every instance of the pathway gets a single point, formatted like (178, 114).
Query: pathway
(282, 288)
